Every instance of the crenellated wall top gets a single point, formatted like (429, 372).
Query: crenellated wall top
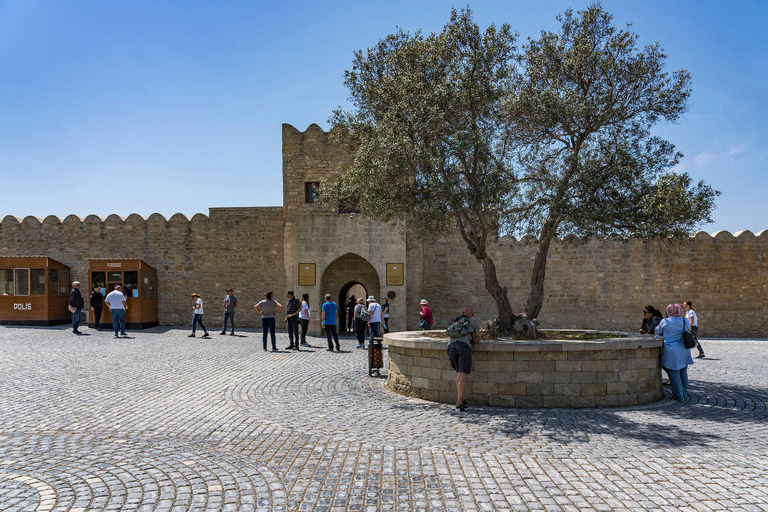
(699, 235)
(312, 128)
(136, 219)
(246, 212)
(253, 212)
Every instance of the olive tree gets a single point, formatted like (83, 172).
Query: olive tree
(458, 132)
(581, 115)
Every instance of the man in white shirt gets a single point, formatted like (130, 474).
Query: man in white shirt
(117, 305)
(374, 309)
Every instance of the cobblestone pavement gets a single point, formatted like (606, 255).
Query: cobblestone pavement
(159, 421)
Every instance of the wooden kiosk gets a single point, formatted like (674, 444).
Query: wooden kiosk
(139, 282)
(34, 291)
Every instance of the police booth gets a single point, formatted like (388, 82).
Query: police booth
(139, 283)
(34, 291)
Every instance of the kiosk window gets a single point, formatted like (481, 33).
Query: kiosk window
(131, 283)
(53, 281)
(152, 284)
(6, 282)
(63, 282)
(99, 279)
(21, 279)
(37, 281)
(115, 277)
(147, 283)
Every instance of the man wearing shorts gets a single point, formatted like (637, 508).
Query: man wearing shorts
(460, 355)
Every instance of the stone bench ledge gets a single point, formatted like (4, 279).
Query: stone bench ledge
(416, 339)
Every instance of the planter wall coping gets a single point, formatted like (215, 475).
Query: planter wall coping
(416, 339)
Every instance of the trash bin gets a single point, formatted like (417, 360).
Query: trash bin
(375, 356)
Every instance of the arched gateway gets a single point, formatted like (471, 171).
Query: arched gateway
(346, 273)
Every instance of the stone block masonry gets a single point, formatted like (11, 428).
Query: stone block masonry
(605, 373)
(603, 284)
(232, 247)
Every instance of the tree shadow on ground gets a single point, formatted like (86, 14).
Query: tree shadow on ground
(663, 424)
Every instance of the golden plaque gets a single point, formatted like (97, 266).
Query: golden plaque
(395, 274)
(307, 273)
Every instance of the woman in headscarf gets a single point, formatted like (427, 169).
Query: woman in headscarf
(675, 358)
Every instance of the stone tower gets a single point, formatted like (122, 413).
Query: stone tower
(346, 250)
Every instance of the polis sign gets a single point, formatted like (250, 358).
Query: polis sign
(22, 307)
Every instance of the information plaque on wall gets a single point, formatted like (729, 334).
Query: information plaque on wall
(307, 272)
(395, 274)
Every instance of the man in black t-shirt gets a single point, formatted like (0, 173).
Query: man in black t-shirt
(96, 305)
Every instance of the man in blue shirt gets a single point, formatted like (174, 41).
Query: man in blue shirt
(329, 322)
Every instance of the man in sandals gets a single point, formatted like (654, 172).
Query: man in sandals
(460, 353)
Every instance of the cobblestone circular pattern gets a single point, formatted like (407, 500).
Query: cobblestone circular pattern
(161, 422)
(314, 397)
(83, 472)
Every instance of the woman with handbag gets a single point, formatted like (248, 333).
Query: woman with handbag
(360, 317)
(675, 357)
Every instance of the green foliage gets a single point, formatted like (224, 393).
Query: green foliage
(581, 115)
(460, 130)
(426, 129)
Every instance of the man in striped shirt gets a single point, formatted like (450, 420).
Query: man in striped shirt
(292, 320)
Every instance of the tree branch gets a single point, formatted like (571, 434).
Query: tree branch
(528, 207)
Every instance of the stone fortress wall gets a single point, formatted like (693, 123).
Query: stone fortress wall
(603, 284)
(238, 247)
(597, 284)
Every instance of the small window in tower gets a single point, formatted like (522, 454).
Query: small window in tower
(311, 191)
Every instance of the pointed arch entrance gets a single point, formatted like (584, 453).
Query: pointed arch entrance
(346, 273)
(351, 290)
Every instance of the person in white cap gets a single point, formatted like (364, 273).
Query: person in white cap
(425, 316)
(374, 309)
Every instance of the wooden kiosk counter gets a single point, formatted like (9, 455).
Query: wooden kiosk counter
(34, 291)
(139, 282)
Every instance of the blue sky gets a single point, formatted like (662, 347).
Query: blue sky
(144, 106)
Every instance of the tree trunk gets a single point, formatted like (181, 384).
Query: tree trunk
(536, 297)
(506, 316)
(475, 240)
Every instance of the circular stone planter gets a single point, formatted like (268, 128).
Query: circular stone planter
(547, 373)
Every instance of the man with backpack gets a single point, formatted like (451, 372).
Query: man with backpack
(463, 331)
